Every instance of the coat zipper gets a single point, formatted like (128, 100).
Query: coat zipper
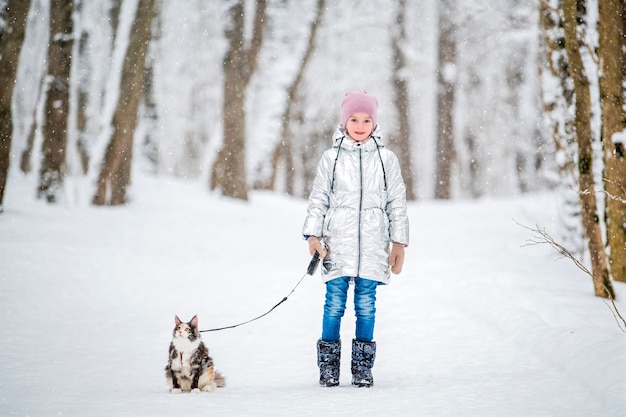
(358, 268)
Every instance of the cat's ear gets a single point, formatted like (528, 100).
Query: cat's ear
(177, 320)
(194, 321)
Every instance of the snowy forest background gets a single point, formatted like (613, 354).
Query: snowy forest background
(501, 146)
(478, 98)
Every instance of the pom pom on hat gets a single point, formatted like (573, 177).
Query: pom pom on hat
(358, 102)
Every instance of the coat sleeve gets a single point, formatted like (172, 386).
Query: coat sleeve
(319, 199)
(396, 202)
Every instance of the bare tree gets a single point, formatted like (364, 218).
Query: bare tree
(149, 142)
(446, 77)
(82, 70)
(56, 111)
(115, 7)
(582, 124)
(283, 149)
(115, 173)
(240, 61)
(12, 27)
(401, 140)
(27, 152)
(611, 30)
(557, 100)
(89, 100)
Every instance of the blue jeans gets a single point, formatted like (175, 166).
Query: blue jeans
(335, 306)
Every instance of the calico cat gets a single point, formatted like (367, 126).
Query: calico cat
(190, 368)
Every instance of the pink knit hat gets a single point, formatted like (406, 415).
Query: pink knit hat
(358, 102)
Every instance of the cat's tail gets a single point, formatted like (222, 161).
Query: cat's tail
(219, 380)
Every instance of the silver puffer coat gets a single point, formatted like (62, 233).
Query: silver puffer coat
(358, 207)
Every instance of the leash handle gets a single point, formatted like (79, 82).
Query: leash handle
(313, 264)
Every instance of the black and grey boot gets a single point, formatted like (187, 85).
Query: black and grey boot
(363, 355)
(328, 360)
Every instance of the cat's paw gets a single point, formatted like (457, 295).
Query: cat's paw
(175, 391)
(208, 388)
(196, 391)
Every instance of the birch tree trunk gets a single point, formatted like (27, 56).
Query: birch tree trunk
(612, 67)
(56, 111)
(115, 173)
(582, 124)
(14, 16)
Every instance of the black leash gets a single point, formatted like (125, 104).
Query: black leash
(310, 271)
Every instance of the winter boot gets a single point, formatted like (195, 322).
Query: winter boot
(363, 355)
(328, 359)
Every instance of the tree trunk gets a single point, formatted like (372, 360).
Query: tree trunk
(582, 123)
(230, 161)
(557, 100)
(446, 77)
(25, 162)
(149, 104)
(56, 111)
(231, 157)
(82, 92)
(115, 173)
(283, 147)
(611, 34)
(229, 168)
(115, 7)
(14, 15)
(401, 140)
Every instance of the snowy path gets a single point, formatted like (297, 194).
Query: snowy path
(476, 325)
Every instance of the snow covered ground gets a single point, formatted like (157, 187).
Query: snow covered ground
(476, 325)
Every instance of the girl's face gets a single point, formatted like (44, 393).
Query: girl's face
(359, 126)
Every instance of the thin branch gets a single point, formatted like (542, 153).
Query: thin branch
(606, 193)
(540, 236)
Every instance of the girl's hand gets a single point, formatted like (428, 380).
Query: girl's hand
(316, 246)
(396, 258)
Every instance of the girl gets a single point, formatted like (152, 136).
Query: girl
(357, 222)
